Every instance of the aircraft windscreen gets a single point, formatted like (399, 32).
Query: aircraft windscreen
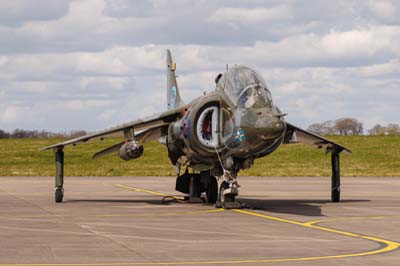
(254, 96)
(237, 80)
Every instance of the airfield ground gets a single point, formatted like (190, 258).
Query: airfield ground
(123, 221)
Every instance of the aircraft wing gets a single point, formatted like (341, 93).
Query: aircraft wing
(145, 127)
(295, 134)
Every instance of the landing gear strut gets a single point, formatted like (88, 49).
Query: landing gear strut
(59, 178)
(335, 181)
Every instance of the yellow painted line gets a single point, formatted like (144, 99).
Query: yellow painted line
(331, 230)
(148, 191)
(297, 223)
(268, 217)
(387, 244)
(353, 218)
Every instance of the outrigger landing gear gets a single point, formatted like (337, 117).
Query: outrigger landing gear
(335, 181)
(59, 186)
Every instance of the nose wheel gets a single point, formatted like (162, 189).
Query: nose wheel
(228, 191)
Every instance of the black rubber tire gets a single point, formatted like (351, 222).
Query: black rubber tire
(228, 198)
(59, 195)
(212, 190)
(335, 196)
(196, 185)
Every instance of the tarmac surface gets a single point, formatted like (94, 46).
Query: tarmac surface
(124, 221)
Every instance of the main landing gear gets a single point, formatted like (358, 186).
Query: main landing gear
(195, 184)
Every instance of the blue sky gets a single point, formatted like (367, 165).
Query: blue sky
(68, 65)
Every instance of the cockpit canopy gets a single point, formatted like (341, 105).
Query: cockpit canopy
(245, 88)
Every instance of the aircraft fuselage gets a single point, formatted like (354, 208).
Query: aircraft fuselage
(216, 131)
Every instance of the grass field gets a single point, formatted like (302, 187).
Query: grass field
(372, 156)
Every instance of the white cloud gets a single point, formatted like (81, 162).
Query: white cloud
(85, 104)
(94, 63)
(17, 12)
(15, 114)
(385, 9)
(244, 15)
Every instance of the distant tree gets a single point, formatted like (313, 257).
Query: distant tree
(329, 128)
(22, 133)
(3, 134)
(390, 129)
(342, 126)
(76, 133)
(316, 128)
(393, 129)
(348, 126)
(377, 130)
(325, 128)
(19, 133)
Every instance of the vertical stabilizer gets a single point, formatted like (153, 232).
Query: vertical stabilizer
(173, 98)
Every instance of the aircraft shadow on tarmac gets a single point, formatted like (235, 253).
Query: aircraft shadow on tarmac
(303, 207)
(148, 201)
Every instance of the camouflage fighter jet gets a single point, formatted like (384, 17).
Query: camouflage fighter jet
(217, 134)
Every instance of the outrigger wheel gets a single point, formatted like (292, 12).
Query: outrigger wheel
(335, 196)
(59, 194)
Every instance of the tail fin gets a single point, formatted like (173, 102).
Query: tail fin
(173, 98)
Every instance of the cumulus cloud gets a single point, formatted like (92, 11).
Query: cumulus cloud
(95, 63)
(386, 10)
(15, 13)
(245, 15)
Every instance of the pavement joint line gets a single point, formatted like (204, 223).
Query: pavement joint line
(161, 214)
(387, 244)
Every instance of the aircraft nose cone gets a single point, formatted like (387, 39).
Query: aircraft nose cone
(272, 127)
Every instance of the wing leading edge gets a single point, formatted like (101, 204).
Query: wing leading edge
(295, 134)
(146, 124)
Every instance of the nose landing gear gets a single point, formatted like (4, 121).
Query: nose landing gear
(228, 191)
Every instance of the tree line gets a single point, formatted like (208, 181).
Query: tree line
(342, 126)
(22, 133)
(351, 126)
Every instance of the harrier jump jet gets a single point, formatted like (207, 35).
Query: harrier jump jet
(217, 134)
